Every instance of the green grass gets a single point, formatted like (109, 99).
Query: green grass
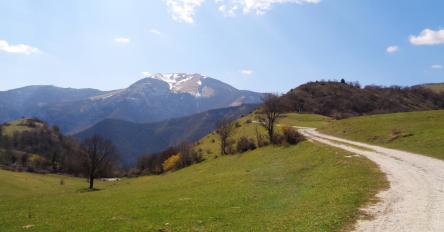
(210, 143)
(421, 132)
(305, 120)
(299, 188)
(307, 187)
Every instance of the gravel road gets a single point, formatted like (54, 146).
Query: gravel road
(415, 199)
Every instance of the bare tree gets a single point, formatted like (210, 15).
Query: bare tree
(99, 155)
(224, 130)
(1, 135)
(271, 110)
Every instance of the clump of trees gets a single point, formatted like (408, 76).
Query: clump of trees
(267, 116)
(44, 149)
(341, 99)
(40, 149)
(171, 159)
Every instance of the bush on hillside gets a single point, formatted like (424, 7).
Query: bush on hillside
(279, 139)
(171, 159)
(171, 163)
(245, 144)
(292, 136)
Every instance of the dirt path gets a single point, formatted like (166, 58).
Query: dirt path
(415, 199)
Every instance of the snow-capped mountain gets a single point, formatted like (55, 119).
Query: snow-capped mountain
(153, 98)
(181, 82)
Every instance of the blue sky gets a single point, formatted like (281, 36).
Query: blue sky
(261, 45)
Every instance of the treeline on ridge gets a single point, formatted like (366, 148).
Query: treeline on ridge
(341, 100)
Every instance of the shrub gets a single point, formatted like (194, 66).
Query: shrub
(238, 125)
(261, 141)
(292, 136)
(171, 163)
(245, 144)
(279, 139)
(248, 121)
(230, 148)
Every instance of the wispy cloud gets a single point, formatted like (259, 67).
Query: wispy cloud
(260, 7)
(18, 48)
(122, 40)
(392, 49)
(184, 10)
(246, 72)
(155, 31)
(436, 66)
(428, 37)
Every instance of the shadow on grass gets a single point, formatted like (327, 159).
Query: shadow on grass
(88, 190)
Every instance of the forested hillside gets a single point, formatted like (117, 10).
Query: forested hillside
(342, 100)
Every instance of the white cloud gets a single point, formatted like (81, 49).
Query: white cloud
(260, 7)
(437, 66)
(183, 10)
(155, 31)
(392, 49)
(18, 48)
(246, 72)
(122, 40)
(428, 37)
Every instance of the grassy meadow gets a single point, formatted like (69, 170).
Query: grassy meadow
(299, 188)
(307, 187)
(15, 126)
(421, 132)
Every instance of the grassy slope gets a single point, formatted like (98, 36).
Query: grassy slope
(438, 87)
(421, 132)
(299, 188)
(14, 126)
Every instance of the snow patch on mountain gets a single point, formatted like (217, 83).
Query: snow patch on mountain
(180, 82)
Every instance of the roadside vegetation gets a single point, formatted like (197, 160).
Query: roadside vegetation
(420, 132)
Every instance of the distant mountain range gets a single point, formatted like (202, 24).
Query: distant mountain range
(134, 139)
(155, 98)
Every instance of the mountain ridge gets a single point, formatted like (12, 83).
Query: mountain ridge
(151, 99)
(135, 139)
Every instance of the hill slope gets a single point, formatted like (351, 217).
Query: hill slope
(305, 187)
(436, 87)
(134, 139)
(341, 100)
(420, 132)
